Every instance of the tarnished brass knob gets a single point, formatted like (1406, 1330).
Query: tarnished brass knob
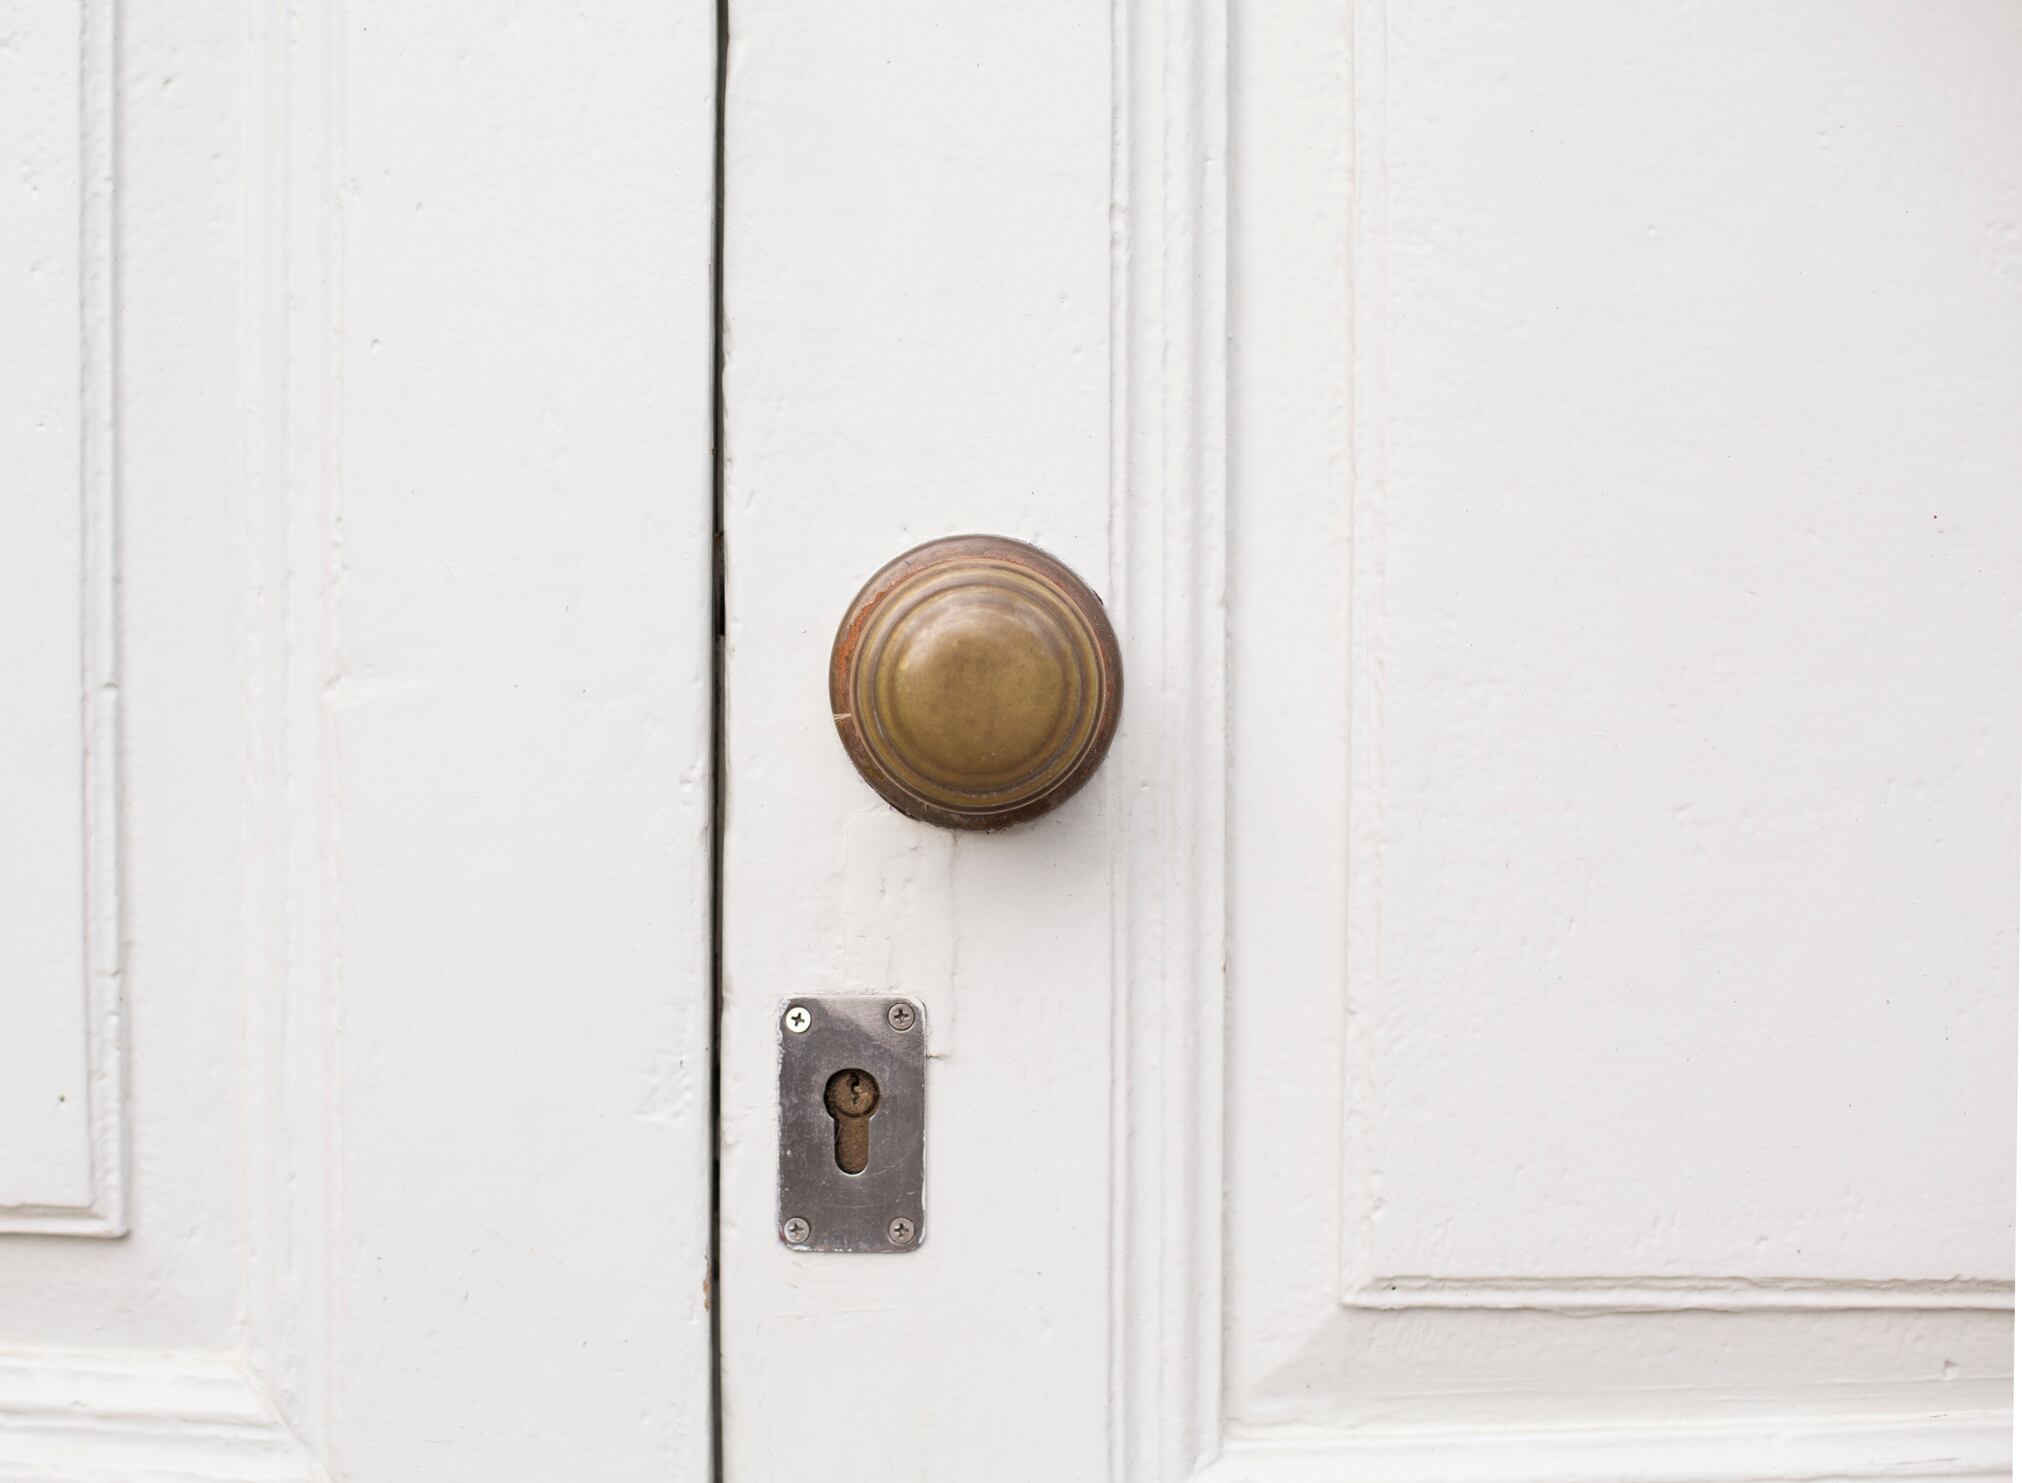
(976, 682)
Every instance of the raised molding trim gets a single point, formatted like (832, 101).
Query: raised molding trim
(105, 1213)
(105, 1417)
(1169, 496)
(291, 524)
(1973, 1445)
(1673, 1294)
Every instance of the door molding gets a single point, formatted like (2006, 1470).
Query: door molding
(1960, 1447)
(83, 1416)
(291, 517)
(90, 419)
(1169, 504)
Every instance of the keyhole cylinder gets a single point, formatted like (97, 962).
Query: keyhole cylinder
(851, 1098)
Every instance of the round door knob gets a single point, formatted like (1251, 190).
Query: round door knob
(975, 682)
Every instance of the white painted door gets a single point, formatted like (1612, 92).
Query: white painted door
(355, 655)
(1528, 996)
(1531, 992)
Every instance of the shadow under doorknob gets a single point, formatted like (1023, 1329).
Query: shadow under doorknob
(975, 682)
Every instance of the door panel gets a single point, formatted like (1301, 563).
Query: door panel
(357, 466)
(1690, 766)
(1655, 1080)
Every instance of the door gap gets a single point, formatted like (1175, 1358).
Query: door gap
(718, 757)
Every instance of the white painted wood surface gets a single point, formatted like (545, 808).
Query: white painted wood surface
(1530, 994)
(917, 337)
(1690, 475)
(1608, 1069)
(983, 342)
(413, 491)
(62, 1160)
(1676, 989)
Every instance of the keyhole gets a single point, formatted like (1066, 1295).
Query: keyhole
(851, 1098)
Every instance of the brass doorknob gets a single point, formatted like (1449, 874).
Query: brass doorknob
(975, 682)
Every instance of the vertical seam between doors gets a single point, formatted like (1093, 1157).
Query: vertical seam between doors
(717, 761)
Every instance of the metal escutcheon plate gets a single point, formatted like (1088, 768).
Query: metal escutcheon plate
(821, 1207)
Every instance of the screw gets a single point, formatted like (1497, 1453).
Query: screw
(798, 1019)
(901, 1016)
(901, 1231)
(795, 1230)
